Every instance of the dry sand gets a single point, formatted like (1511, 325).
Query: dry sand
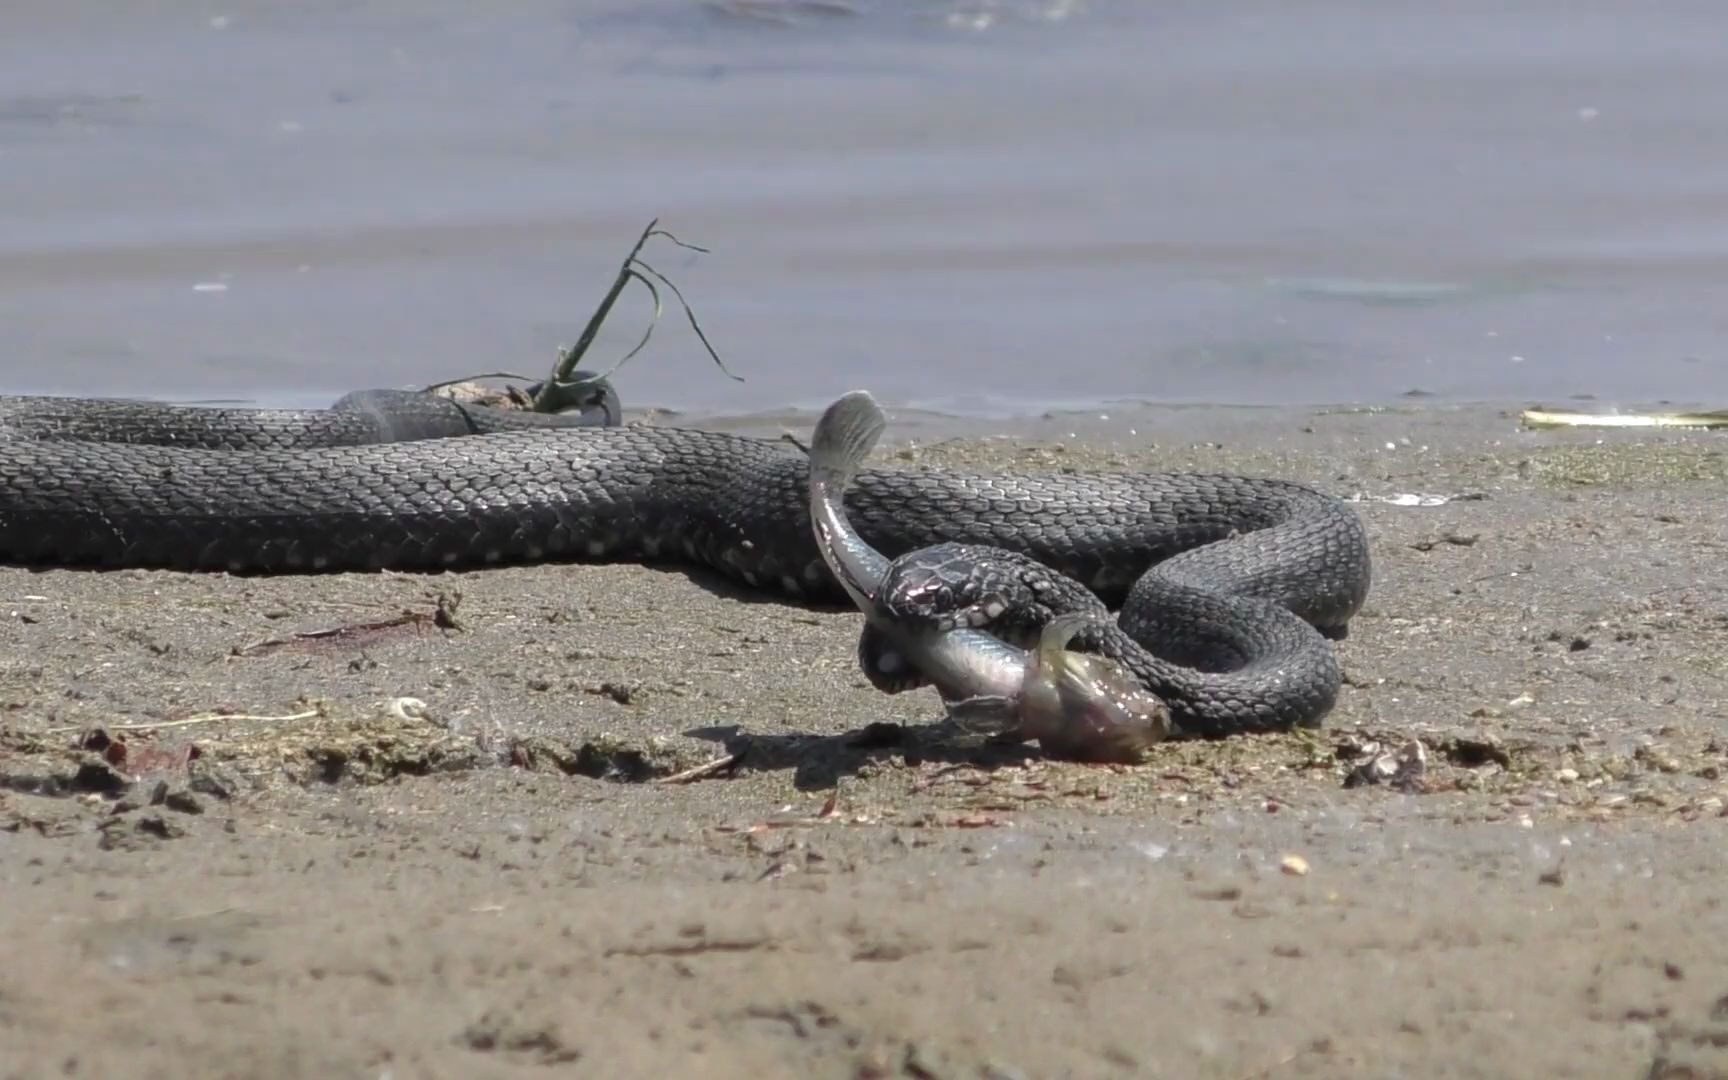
(277, 873)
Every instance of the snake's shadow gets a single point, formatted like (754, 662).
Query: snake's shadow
(819, 762)
(727, 588)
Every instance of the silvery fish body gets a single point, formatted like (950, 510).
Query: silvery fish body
(1076, 705)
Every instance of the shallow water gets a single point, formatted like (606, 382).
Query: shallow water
(986, 208)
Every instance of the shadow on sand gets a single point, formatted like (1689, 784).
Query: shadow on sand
(818, 762)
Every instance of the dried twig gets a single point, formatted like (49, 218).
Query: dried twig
(189, 721)
(702, 771)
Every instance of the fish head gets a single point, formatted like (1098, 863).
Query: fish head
(1085, 707)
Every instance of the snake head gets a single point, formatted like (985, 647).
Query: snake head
(1084, 707)
(922, 591)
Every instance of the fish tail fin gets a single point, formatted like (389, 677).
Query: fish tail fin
(844, 437)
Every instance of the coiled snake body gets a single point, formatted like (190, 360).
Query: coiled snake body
(1245, 553)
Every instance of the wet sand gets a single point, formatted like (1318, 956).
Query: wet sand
(229, 848)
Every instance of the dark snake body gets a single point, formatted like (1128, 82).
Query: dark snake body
(643, 493)
(363, 418)
(1225, 662)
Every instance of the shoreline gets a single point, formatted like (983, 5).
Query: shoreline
(1094, 421)
(502, 880)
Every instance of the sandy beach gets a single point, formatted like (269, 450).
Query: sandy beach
(630, 821)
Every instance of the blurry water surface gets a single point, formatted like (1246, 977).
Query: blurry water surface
(982, 207)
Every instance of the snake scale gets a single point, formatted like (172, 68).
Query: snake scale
(403, 480)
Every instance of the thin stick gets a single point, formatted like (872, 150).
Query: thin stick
(659, 309)
(554, 395)
(208, 718)
(548, 400)
(688, 313)
(702, 771)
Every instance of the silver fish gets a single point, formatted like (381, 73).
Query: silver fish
(963, 664)
(1076, 705)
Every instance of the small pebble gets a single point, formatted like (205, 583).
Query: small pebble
(1294, 865)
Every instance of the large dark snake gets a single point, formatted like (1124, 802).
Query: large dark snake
(1248, 574)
